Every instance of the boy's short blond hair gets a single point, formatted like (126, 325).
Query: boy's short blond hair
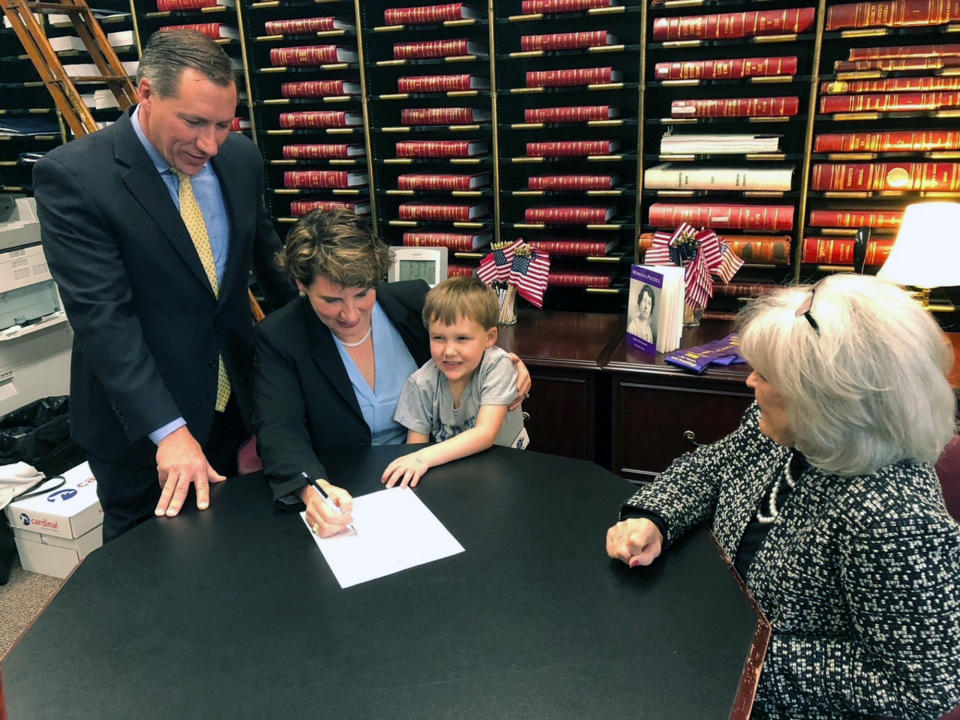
(462, 297)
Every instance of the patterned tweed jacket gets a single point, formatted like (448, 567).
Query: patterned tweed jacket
(858, 576)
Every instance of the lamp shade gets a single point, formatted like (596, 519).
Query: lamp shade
(926, 253)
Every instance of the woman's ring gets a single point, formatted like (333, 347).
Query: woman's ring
(316, 528)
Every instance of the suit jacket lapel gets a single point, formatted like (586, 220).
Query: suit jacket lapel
(407, 322)
(228, 174)
(148, 188)
(326, 356)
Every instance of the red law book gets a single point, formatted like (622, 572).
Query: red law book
(323, 179)
(302, 207)
(891, 64)
(571, 148)
(879, 219)
(437, 116)
(886, 176)
(440, 148)
(580, 247)
(529, 7)
(320, 151)
(781, 106)
(889, 85)
(574, 76)
(578, 279)
(459, 242)
(567, 41)
(302, 26)
(889, 141)
(239, 124)
(168, 5)
(571, 182)
(444, 212)
(213, 30)
(568, 214)
(434, 181)
(837, 251)
(310, 55)
(742, 217)
(440, 83)
(572, 113)
(892, 13)
(434, 49)
(725, 26)
(318, 88)
(726, 68)
(459, 271)
(752, 248)
(889, 102)
(903, 51)
(427, 14)
(319, 119)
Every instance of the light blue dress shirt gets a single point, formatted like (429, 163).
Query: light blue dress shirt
(206, 188)
(394, 364)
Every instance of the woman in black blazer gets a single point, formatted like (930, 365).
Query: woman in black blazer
(329, 366)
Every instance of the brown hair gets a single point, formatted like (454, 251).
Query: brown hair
(338, 245)
(168, 52)
(457, 297)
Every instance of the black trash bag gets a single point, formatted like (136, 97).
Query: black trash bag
(39, 435)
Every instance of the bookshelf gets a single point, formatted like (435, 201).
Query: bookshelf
(484, 130)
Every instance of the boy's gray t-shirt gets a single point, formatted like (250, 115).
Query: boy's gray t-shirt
(426, 403)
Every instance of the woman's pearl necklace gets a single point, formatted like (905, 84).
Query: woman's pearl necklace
(359, 342)
(775, 494)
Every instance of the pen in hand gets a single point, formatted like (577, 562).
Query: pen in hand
(327, 499)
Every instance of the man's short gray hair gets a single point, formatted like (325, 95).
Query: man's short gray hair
(867, 388)
(169, 52)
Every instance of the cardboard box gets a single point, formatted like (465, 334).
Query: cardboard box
(55, 530)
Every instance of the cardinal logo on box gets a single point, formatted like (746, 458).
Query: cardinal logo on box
(61, 495)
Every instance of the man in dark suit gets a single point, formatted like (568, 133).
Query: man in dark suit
(150, 228)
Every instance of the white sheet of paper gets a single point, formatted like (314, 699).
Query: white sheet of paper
(395, 531)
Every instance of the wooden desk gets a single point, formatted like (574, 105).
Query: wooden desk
(660, 410)
(234, 613)
(568, 406)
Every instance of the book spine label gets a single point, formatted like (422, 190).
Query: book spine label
(889, 102)
(434, 83)
(430, 49)
(721, 26)
(744, 217)
(570, 182)
(881, 219)
(316, 179)
(454, 241)
(436, 116)
(724, 69)
(529, 7)
(572, 215)
(316, 151)
(564, 41)
(313, 119)
(424, 14)
(574, 113)
(873, 177)
(560, 78)
(782, 106)
(312, 88)
(559, 148)
(890, 141)
(433, 148)
(299, 26)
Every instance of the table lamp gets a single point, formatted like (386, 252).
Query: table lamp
(926, 253)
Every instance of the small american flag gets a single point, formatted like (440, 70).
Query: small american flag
(530, 273)
(495, 267)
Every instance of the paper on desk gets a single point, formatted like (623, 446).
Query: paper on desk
(395, 531)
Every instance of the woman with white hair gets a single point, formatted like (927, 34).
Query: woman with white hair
(826, 499)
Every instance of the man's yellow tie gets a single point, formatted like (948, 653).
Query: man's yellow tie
(193, 219)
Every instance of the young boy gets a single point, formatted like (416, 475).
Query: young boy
(460, 396)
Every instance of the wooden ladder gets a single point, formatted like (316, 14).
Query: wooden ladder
(63, 89)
